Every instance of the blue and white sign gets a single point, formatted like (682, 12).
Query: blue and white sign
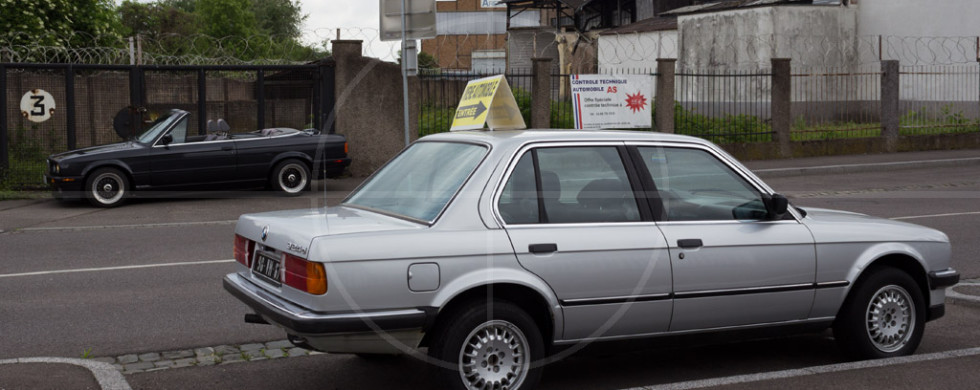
(492, 4)
(612, 101)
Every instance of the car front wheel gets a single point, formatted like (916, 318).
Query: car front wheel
(885, 317)
(290, 177)
(106, 187)
(489, 345)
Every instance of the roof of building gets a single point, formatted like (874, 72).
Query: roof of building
(724, 5)
(573, 4)
(663, 23)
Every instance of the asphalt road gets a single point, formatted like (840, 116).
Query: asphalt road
(49, 309)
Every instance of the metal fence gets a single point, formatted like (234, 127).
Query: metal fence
(939, 99)
(88, 97)
(836, 102)
(724, 107)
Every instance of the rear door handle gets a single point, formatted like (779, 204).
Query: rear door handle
(690, 243)
(542, 248)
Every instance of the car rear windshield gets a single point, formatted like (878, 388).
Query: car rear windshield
(420, 182)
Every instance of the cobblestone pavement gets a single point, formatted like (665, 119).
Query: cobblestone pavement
(208, 356)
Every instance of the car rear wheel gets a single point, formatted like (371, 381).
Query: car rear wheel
(106, 187)
(290, 177)
(884, 317)
(489, 345)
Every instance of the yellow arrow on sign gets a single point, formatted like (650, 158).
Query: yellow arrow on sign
(488, 101)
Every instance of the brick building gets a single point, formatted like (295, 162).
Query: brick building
(472, 34)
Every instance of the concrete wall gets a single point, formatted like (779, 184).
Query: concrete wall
(635, 51)
(917, 18)
(369, 108)
(749, 38)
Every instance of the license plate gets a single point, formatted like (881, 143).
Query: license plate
(267, 267)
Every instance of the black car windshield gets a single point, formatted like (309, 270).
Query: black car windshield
(157, 127)
(421, 181)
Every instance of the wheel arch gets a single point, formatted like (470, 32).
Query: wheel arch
(905, 261)
(115, 164)
(290, 155)
(528, 298)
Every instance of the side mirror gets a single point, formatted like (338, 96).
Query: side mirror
(776, 206)
(166, 139)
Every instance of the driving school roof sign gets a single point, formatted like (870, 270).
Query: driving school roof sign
(488, 101)
(612, 101)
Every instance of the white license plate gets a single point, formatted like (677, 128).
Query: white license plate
(267, 268)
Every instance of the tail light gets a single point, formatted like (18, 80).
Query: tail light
(243, 250)
(304, 275)
(346, 148)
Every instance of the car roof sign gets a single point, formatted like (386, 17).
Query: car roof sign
(488, 102)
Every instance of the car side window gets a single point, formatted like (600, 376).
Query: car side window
(179, 132)
(693, 185)
(569, 185)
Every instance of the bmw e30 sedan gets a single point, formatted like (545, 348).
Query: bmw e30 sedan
(166, 157)
(491, 248)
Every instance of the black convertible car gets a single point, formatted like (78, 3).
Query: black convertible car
(165, 157)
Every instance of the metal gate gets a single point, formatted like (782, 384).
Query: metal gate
(81, 100)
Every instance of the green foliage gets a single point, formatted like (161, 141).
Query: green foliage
(27, 161)
(58, 22)
(427, 61)
(279, 18)
(226, 18)
(728, 129)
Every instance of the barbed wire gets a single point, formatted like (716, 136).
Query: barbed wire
(579, 53)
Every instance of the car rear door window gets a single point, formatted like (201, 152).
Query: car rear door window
(569, 185)
(694, 185)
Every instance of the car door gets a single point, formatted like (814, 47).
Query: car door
(573, 220)
(190, 161)
(731, 265)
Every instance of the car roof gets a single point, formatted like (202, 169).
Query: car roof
(518, 137)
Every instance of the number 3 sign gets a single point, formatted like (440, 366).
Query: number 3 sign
(37, 105)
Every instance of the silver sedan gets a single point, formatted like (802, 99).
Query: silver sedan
(492, 250)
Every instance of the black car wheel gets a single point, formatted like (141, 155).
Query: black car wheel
(489, 345)
(291, 177)
(884, 317)
(106, 187)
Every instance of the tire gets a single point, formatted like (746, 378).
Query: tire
(507, 361)
(106, 187)
(290, 177)
(884, 316)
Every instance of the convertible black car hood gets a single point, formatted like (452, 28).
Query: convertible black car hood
(97, 150)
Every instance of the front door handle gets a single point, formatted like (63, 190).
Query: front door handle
(542, 248)
(690, 243)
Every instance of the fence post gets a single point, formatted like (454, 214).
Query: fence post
(70, 107)
(541, 93)
(889, 104)
(202, 102)
(260, 98)
(664, 99)
(327, 117)
(781, 104)
(4, 160)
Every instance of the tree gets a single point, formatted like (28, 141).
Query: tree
(280, 18)
(58, 22)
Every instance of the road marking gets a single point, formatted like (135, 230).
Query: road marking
(108, 377)
(937, 215)
(951, 293)
(827, 369)
(116, 268)
(141, 225)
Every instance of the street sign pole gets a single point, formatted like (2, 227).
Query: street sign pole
(405, 72)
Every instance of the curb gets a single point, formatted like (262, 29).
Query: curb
(960, 299)
(863, 168)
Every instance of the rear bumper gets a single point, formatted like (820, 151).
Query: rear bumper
(298, 320)
(335, 167)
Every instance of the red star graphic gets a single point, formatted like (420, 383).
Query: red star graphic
(636, 102)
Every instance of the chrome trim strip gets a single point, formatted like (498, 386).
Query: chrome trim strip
(683, 332)
(743, 291)
(842, 283)
(620, 299)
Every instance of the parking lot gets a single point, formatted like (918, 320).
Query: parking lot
(144, 280)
